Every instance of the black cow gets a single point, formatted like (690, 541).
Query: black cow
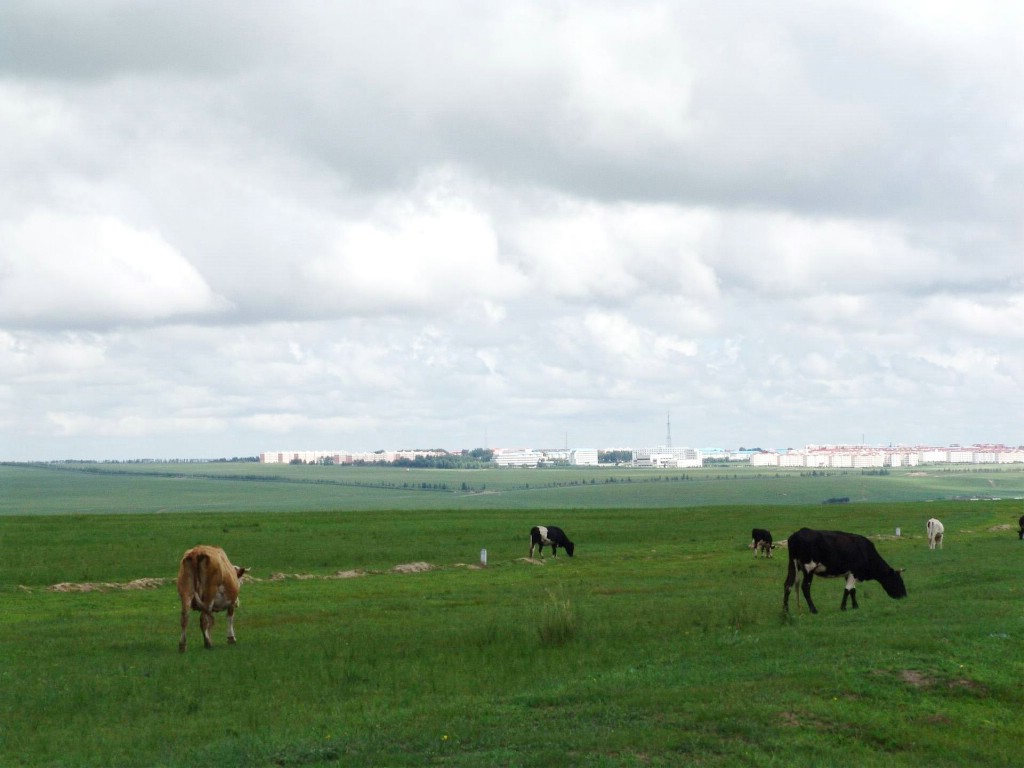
(1021, 524)
(541, 535)
(761, 540)
(834, 553)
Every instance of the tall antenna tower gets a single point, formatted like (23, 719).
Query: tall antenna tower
(668, 427)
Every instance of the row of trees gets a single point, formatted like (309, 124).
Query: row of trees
(477, 458)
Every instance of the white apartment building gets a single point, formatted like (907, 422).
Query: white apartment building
(791, 459)
(902, 458)
(306, 457)
(868, 459)
(857, 457)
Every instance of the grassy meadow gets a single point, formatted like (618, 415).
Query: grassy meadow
(661, 643)
(67, 488)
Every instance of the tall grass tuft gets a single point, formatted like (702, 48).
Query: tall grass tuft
(558, 622)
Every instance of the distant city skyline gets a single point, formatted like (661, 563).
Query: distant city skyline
(816, 455)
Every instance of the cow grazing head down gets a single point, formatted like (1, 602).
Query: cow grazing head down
(551, 535)
(834, 554)
(208, 583)
(936, 532)
(1021, 524)
(761, 541)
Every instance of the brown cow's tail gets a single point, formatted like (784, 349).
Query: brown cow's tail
(199, 566)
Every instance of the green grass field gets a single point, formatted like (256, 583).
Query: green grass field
(229, 487)
(661, 643)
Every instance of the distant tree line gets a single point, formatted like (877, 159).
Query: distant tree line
(478, 458)
(614, 457)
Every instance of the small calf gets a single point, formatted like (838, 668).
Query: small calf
(761, 541)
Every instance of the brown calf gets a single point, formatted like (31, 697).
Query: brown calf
(207, 582)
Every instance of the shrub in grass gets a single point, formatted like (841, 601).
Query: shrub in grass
(558, 621)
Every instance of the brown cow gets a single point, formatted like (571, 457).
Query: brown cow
(207, 582)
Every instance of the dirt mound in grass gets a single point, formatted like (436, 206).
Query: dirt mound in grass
(109, 586)
(153, 583)
(309, 576)
(412, 568)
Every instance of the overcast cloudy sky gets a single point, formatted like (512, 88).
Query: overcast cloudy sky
(240, 226)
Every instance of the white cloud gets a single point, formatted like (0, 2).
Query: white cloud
(95, 270)
(425, 253)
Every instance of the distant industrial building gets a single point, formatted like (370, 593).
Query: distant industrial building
(668, 457)
(583, 457)
(517, 457)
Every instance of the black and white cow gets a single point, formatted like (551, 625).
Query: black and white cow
(1021, 524)
(551, 535)
(761, 541)
(834, 553)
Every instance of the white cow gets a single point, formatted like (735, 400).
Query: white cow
(935, 531)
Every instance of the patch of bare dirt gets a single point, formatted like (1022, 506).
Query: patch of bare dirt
(789, 719)
(1006, 527)
(794, 720)
(153, 583)
(966, 685)
(311, 576)
(915, 678)
(348, 574)
(109, 586)
(531, 560)
(412, 568)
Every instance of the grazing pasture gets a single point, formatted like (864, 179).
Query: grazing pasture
(671, 651)
(229, 487)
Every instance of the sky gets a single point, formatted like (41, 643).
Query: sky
(236, 227)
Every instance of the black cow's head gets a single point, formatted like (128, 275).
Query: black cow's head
(569, 547)
(892, 583)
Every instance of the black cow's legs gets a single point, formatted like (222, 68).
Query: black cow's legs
(852, 594)
(790, 581)
(808, 578)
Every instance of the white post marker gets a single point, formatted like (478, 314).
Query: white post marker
(483, 558)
